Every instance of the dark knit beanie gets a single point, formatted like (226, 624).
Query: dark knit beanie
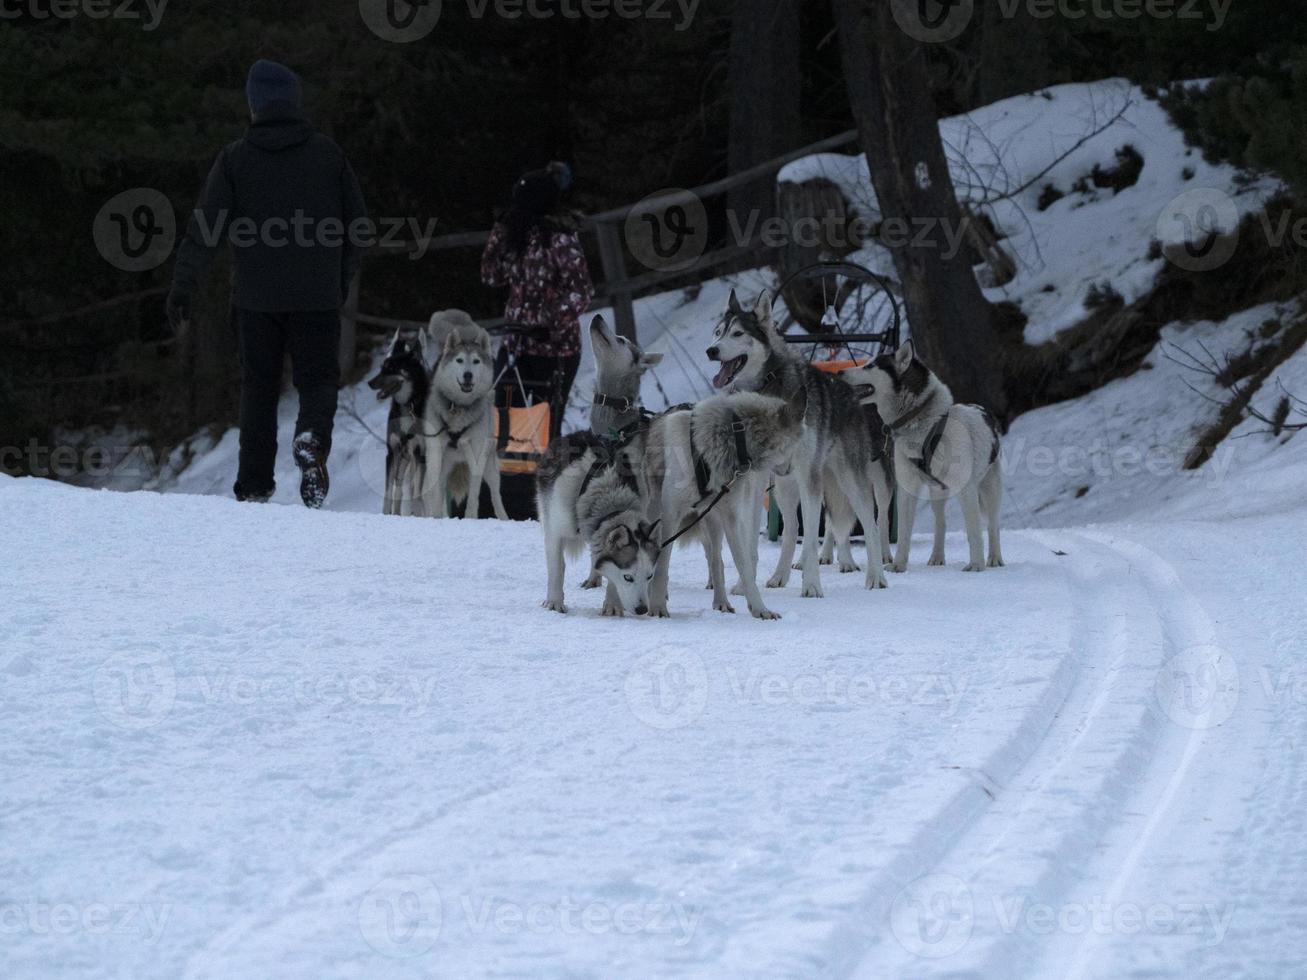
(270, 82)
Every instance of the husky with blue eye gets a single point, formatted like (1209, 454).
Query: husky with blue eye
(941, 450)
(590, 489)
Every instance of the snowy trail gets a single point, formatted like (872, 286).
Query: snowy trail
(280, 765)
(1110, 763)
(399, 766)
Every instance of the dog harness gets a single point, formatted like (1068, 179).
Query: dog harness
(936, 435)
(454, 436)
(702, 473)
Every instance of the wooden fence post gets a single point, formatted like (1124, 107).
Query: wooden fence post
(614, 264)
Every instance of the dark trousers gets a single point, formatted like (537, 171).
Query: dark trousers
(313, 341)
(545, 379)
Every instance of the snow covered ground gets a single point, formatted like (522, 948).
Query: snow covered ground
(263, 742)
(259, 741)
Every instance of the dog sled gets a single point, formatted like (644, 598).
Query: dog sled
(850, 295)
(522, 427)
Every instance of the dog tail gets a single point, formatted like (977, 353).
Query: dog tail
(458, 480)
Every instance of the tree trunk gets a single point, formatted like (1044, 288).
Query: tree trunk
(889, 93)
(765, 86)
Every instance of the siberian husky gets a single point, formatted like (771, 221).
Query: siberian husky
(843, 449)
(458, 425)
(404, 378)
(941, 450)
(707, 467)
(589, 487)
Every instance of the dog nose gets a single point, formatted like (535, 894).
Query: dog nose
(641, 609)
(467, 377)
(714, 353)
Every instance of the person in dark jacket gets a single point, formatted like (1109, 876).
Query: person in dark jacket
(287, 199)
(536, 252)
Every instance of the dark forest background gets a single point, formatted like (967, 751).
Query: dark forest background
(441, 127)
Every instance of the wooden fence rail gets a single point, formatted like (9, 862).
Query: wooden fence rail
(618, 287)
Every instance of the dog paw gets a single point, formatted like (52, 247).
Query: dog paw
(762, 612)
(613, 612)
(973, 567)
(723, 607)
(877, 582)
(554, 606)
(825, 561)
(897, 567)
(593, 582)
(849, 566)
(797, 566)
(778, 581)
(936, 561)
(812, 592)
(737, 588)
(709, 585)
(659, 612)
(996, 562)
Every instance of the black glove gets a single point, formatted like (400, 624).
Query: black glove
(179, 310)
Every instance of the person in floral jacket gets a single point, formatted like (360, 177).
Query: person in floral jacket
(537, 254)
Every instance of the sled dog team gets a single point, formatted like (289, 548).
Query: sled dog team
(638, 482)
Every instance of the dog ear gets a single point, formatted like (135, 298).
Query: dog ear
(904, 355)
(648, 361)
(645, 532)
(733, 304)
(618, 538)
(762, 309)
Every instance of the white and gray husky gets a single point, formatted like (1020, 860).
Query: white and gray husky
(843, 454)
(707, 467)
(589, 486)
(942, 450)
(458, 424)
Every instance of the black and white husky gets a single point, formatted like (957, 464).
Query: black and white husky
(589, 486)
(404, 378)
(843, 450)
(942, 450)
(458, 425)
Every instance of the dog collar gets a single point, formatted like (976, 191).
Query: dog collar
(619, 404)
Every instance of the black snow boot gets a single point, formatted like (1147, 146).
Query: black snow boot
(311, 458)
(253, 497)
